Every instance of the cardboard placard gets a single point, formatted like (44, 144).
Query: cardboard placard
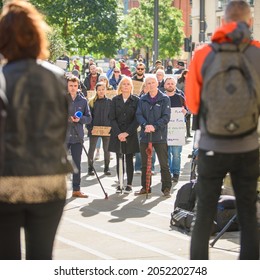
(176, 128)
(110, 93)
(137, 87)
(101, 131)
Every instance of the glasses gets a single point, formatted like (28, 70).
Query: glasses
(116, 71)
(140, 68)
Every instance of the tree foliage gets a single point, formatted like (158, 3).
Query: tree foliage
(57, 43)
(88, 26)
(139, 28)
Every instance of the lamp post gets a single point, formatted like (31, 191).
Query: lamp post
(202, 21)
(155, 42)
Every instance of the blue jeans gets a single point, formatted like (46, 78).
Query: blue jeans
(138, 162)
(244, 172)
(174, 158)
(98, 143)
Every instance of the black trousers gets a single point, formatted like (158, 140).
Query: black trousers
(40, 222)
(244, 171)
(161, 150)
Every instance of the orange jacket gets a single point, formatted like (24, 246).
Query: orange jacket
(194, 80)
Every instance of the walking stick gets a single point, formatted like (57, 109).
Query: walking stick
(120, 169)
(77, 114)
(149, 151)
(225, 228)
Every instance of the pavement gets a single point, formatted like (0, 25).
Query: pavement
(125, 226)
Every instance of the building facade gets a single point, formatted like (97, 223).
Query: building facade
(214, 12)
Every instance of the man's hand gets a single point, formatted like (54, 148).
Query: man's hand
(149, 128)
(74, 119)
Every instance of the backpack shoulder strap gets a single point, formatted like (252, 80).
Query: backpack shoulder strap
(2, 86)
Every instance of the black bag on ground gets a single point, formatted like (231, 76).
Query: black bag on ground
(226, 210)
(182, 218)
(185, 198)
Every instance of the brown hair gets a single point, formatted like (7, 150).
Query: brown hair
(72, 78)
(22, 32)
(237, 11)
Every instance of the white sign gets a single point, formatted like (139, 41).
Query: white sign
(176, 128)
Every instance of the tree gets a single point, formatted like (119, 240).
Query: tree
(87, 25)
(57, 44)
(138, 28)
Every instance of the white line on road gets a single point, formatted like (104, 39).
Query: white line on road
(83, 248)
(117, 236)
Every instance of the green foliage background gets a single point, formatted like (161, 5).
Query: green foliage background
(138, 26)
(99, 28)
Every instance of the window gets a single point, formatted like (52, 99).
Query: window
(222, 4)
(251, 2)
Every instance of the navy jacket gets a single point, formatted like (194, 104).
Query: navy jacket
(157, 114)
(79, 104)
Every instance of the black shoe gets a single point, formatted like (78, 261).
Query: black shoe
(107, 172)
(175, 178)
(91, 172)
(128, 189)
(167, 192)
(118, 190)
(143, 191)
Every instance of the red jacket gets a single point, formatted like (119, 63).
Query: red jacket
(194, 80)
(125, 69)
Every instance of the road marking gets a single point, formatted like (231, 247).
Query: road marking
(171, 233)
(84, 248)
(128, 240)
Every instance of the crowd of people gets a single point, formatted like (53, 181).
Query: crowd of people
(121, 114)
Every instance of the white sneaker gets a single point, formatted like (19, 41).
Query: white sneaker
(138, 172)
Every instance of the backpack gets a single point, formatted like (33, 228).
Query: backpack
(3, 103)
(225, 212)
(185, 198)
(182, 219)
(231, 92)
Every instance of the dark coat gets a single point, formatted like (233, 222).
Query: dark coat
(123, 119)
(114, 83)
(157, 114)
(3, 104)
(87, 81)
(79, 104)
(100, 114)
(36, 125)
